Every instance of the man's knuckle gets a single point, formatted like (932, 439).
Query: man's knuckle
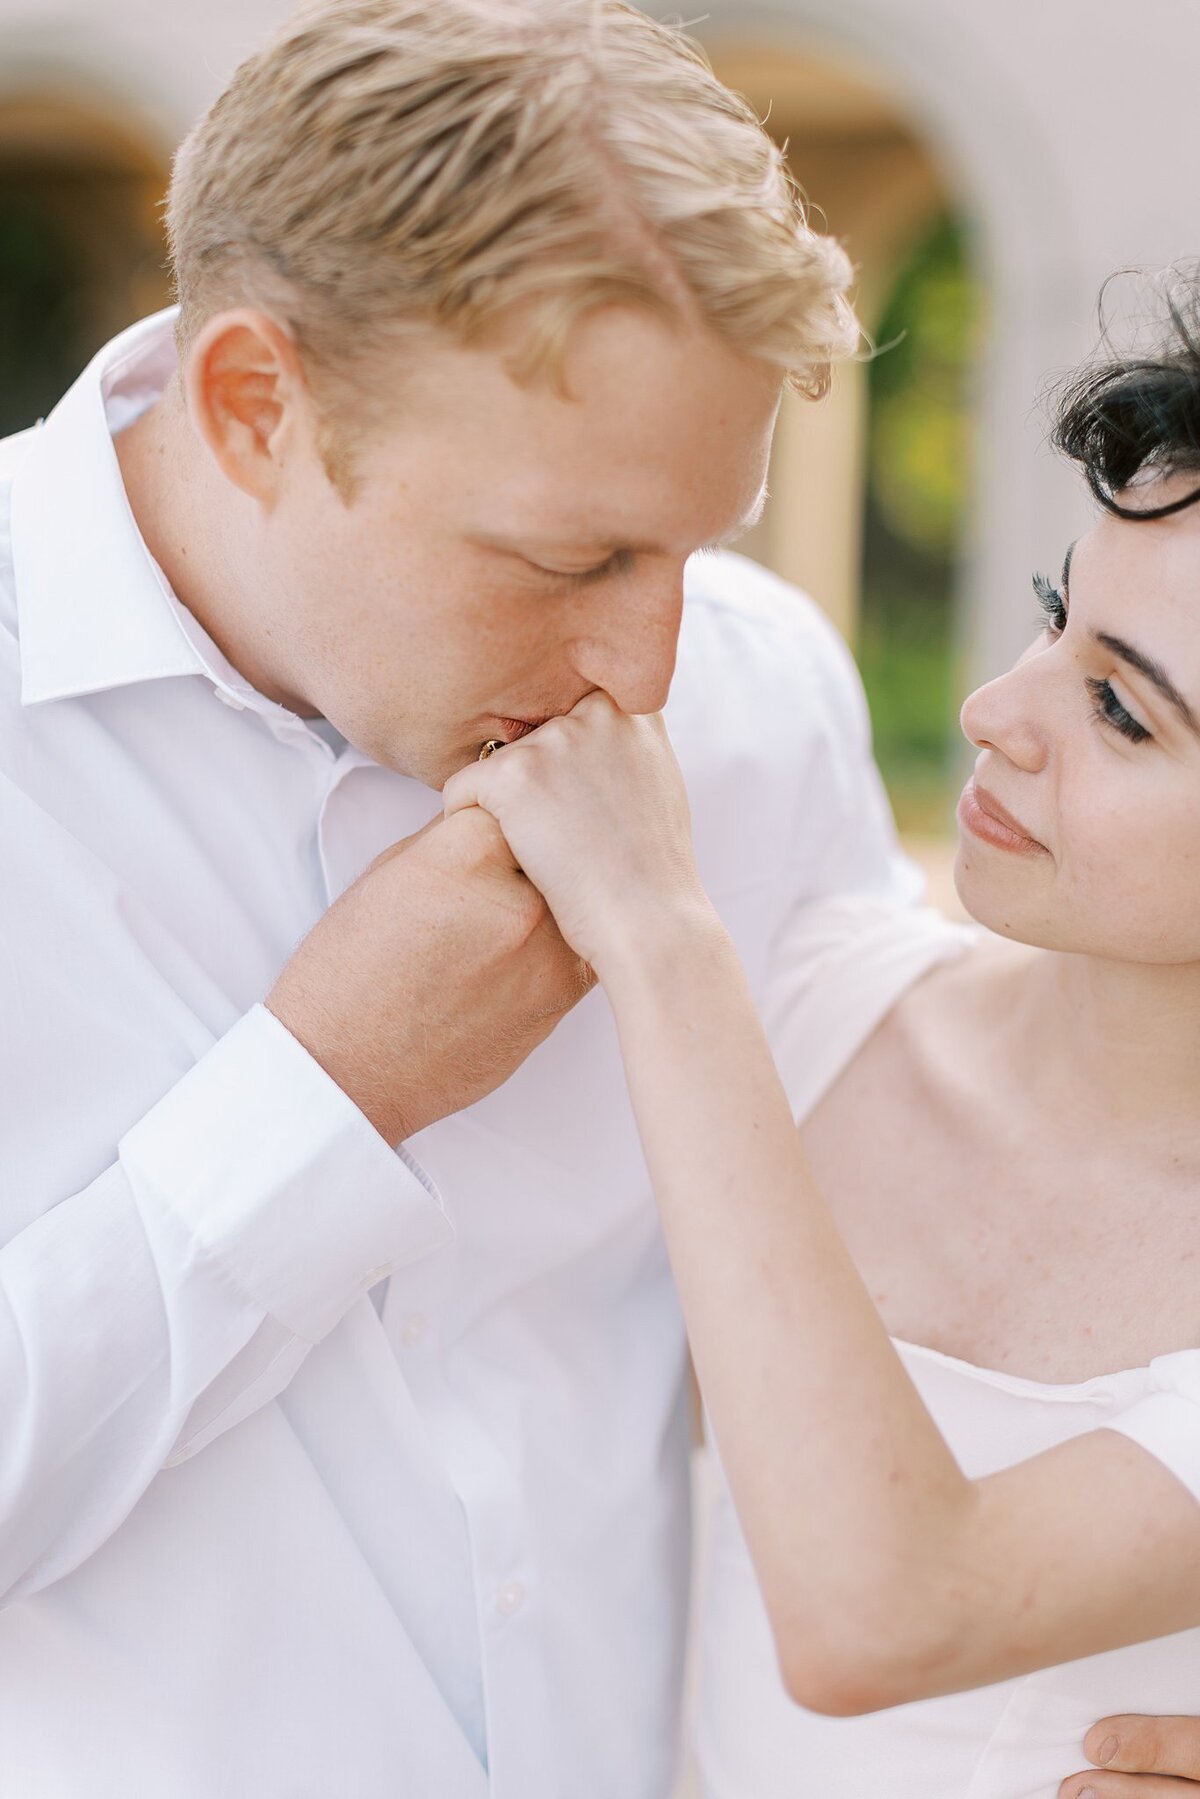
(1139, 1747)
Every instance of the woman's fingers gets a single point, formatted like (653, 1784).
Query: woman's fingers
(594, 809)
(462, 789)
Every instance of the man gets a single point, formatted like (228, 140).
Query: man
(310, 1483)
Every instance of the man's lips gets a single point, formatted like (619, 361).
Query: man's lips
(981, 813)
(518, 727)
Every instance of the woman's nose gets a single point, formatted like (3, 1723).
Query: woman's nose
(1002, 716)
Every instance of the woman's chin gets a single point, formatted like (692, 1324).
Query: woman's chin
(993, 896)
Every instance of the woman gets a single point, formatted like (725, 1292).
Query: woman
(1001, 1128)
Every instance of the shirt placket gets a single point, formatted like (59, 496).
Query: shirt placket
(507, 1577)
(363, 811)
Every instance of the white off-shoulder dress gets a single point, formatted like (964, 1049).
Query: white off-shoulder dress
(1014, 1740)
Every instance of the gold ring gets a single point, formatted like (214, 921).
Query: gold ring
(490, 747)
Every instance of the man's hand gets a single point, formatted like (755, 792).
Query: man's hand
(431, 979)
(595, 809)
(1139, 1758)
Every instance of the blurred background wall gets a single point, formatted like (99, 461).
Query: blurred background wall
(987, 166)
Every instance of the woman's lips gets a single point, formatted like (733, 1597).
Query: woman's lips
(985, 818)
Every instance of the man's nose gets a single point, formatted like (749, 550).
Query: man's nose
(1005, 715)
(632, 636)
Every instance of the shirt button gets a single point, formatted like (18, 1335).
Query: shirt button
(510, 1598)
(414, 1329)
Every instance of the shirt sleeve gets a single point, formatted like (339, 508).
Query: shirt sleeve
(851, 934)
(244, 1214)
(839, 967)
(859, 852)
(1166, 1419)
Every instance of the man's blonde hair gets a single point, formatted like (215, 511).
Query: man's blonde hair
(390, 164)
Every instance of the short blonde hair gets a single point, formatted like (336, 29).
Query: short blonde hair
(388, 164)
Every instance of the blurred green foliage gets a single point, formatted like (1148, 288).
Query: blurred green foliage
(41, 279)
(921, 392)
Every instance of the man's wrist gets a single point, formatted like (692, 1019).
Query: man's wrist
(358, 1075)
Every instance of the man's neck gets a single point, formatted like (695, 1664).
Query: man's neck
(193, 523)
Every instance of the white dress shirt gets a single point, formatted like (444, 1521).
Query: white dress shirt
(315, 1484)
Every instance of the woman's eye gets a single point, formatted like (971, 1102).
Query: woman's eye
(1109, 708)
(1052, 603)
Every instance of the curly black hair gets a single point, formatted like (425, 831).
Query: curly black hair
(1139, 413)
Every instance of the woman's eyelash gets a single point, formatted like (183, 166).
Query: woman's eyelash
(1052, 602)
(1109, 708)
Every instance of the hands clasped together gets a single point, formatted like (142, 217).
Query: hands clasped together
(594, 809)
(432, 978)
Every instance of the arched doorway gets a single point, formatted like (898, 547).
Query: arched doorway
(857, 86)
(870, 500)
(81, 244)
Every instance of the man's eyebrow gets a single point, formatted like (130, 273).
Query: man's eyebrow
(612, 546)
(1154, 673)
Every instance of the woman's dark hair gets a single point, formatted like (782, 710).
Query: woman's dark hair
(1138, 413)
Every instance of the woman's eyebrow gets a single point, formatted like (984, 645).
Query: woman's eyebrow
(1065, 577)
(1154, 672)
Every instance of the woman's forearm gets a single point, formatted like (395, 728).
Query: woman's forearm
(843, 1483)
(887, 1574)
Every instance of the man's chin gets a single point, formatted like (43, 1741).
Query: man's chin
(435, 768)
(432, 764)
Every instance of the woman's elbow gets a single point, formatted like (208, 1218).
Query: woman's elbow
(841, 1688)
(863, 1664)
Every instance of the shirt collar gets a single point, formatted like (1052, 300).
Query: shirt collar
(94, 610)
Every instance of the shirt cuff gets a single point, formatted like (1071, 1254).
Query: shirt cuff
(280, 1179)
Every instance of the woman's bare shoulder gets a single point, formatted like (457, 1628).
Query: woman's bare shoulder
(934, 1052)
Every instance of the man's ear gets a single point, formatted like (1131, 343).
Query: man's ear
(247, 396)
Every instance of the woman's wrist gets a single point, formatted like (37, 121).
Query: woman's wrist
(658, 947)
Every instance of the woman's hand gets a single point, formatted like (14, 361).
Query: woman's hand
(594, 809)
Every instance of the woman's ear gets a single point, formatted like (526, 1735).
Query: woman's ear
(247, 396)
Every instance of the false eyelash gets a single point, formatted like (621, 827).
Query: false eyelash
(1111, 712)
(1051, 600)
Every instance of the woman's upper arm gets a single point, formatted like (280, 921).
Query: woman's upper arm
(1090, 1546)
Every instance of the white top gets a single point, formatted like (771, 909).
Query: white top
(1014, 1740)
(270, 1521)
